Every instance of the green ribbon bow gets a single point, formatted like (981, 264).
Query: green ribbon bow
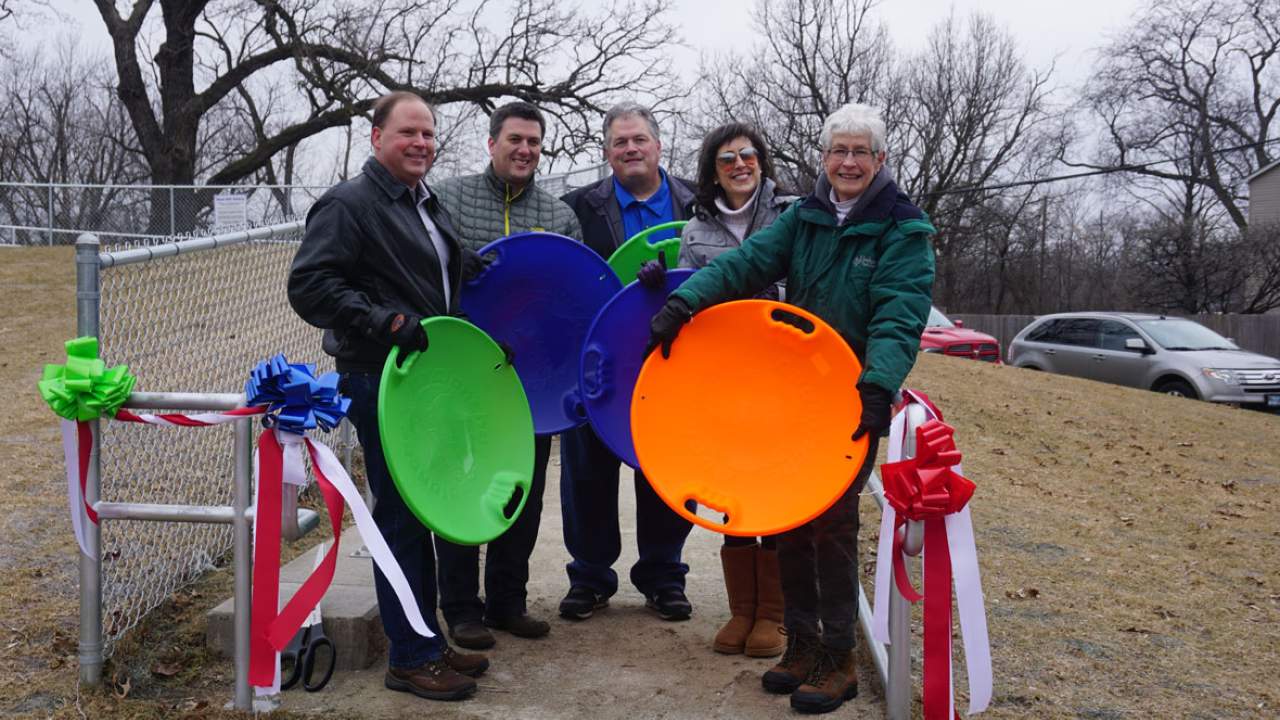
(84, 389)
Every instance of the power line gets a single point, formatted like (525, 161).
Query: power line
(1088, 173)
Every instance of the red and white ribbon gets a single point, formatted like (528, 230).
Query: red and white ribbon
(279, 460)
(958, 543)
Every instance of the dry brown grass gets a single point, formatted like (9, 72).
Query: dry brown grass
(1128, 543)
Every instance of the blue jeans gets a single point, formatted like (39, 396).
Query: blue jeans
(408, 539)
(506, 562)
(589, 503)
(818, 564)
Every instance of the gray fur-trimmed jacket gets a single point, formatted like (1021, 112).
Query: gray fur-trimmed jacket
(706, 237)
(483, 211)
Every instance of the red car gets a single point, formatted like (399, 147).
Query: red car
(952, 338)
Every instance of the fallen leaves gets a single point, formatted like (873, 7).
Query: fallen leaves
(1022, 594)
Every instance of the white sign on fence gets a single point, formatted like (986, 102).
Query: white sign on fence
(230, 212)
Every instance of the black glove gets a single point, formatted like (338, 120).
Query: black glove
(406, 332)
(473, 263)
(877, 409)
(653, 274)
(666, 324)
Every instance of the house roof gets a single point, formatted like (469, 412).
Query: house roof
(1263, 170)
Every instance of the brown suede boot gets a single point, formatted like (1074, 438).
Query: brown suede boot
(740, 586)
(434, 680)
(766, 638)
(832, 681)
(796, 664)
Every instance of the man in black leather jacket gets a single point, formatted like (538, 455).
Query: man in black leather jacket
(379, 255)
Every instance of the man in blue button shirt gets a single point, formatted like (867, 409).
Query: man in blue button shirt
(638, 195)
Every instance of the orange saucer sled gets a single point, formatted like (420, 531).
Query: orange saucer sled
(751, 416)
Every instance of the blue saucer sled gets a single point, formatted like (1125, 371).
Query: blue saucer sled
(611, 359)
(539, 296)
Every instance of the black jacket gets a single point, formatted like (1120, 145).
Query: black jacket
(366, 256)
(601, 219)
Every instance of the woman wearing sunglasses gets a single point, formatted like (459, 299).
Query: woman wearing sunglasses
(737, 196)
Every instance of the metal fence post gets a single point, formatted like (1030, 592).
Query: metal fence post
(243, 561)
(173, 225)
(51, 213)
(88, 298)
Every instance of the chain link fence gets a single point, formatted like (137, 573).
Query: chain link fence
(57, 213)
(192, 322)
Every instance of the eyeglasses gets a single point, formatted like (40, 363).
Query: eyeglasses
(860, 155)
(729, 157)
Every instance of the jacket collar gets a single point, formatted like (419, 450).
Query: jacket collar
(874, 204)
(383, 178)
(499, 186)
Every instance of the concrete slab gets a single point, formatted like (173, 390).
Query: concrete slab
(349, 608)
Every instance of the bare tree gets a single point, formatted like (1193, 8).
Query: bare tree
(60, 123)
(1190, 94)
(816, 56)
(972, 115)
(338, 57)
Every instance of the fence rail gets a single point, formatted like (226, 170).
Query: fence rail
(1257, 333)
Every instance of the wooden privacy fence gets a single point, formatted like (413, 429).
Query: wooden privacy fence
(1259, 333)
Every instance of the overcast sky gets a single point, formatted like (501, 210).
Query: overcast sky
(1046, 30)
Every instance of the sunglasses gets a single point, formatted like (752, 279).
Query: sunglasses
(729, 157)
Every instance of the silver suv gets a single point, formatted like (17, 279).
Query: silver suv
(1166, 354)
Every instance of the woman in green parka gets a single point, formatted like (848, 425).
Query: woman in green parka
(857, 253)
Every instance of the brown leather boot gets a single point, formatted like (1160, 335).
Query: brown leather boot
(740, 586)
(832, 681)
(796, 664)
(766, 638)
(433, 680)
(469, 664)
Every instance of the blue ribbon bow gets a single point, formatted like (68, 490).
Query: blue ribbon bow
(296, 399)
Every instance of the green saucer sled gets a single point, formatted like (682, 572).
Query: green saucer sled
(456, 433)
(630, 255)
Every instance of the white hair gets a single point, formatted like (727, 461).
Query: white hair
(856, 119)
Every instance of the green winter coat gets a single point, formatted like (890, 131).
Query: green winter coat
(870, 278)
(483, 209)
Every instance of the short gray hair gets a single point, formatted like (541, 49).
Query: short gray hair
(628, 109)
(857, 119)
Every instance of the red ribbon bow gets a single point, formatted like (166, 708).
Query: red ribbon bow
(925, 488)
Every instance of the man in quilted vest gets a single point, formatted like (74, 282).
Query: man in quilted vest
(503, 200)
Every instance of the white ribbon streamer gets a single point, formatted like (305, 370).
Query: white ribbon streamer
(971, 606)
(294, 467)
(373, 539)
(75, 501)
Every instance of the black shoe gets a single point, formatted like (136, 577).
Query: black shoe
(471, 634)
(521, 625)
(670, 604)
(581, 602)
